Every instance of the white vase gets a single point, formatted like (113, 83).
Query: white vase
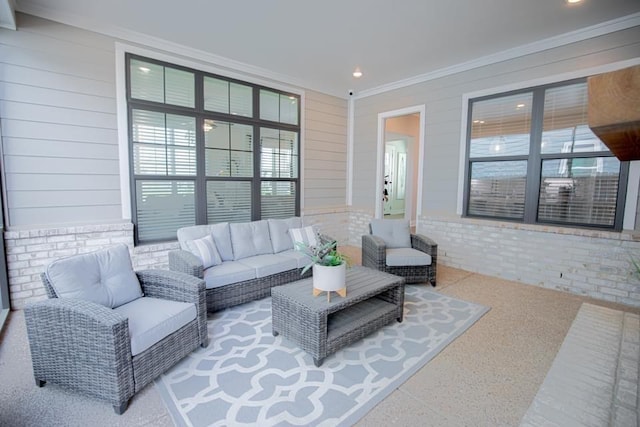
(329, 278)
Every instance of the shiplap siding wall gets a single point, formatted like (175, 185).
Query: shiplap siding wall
(58, 111)
(480, 247)
(61, 161)
(325, 164)
(443, 100)
(325, 151)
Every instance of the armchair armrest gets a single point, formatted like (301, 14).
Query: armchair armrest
(186, 262)
(82, 345)
(428, 246)
(424, 244)
(176, 286)
(373, 252)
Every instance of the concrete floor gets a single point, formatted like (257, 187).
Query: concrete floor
(486, 377)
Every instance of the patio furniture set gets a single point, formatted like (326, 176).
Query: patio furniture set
(107, 331)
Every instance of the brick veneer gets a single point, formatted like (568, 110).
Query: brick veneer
(584, 262)
(581, 261)
(29, 251)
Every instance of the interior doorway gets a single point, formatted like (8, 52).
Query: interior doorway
(400, 159)
(395, 177)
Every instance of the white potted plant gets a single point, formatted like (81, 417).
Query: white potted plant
(329, 268)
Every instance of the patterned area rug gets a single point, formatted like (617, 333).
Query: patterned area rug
(249, 377)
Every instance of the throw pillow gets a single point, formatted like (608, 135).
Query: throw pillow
(205, 249)
(394, 232)
(304, 235)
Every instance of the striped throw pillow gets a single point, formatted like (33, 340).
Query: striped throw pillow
(305, 235)
(205, 249)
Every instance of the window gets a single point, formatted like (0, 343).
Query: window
(531, 157)
(206, 149)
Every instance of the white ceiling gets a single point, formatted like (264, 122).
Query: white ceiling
(317, 44)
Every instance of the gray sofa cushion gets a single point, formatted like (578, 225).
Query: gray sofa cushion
(300, 258)
(279, 232)
(153, 319)
(399, 257)
(222, 236)
(266, 265)
(220, 233)
(394, 232)
(250, 239)
(205, 249)
(105, 277)
(228, 272)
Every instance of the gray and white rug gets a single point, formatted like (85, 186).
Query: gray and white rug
(248, 377)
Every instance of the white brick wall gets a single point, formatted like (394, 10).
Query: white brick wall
(29, 251)
(584, 262)
(359, 220)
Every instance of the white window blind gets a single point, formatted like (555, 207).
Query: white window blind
(228, 201)
(278, 199)
(163, 207)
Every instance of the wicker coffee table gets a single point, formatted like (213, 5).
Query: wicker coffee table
(374, 299)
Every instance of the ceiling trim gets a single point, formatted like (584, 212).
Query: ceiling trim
(28, 7)
(8, 14)
(601, 29)
(233, 66)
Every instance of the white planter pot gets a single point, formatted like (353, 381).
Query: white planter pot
(329, 278)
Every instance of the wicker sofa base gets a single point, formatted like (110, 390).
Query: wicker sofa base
(249, 290)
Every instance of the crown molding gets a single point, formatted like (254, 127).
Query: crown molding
(586, 33)
(121, 34)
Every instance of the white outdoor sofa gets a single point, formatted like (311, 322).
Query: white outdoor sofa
(241, 262)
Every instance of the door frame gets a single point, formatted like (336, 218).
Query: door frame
(382, 117)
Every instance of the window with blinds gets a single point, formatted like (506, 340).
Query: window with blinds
(208, 149)
(532, 158)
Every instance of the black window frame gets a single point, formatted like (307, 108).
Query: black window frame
(534, 163)
(200, 179)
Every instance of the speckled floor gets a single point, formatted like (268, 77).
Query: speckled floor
(486, 377)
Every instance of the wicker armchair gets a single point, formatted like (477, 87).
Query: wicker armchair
(374, 255)
(87, 347)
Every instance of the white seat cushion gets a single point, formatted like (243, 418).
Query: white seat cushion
(399, 257)
(105, 277)
(152, 319)
(266, 265)
(300, 258)
(228, 272)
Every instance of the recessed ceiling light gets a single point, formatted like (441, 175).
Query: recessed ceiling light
(573, 1)
(357, 73)
(144, 69)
